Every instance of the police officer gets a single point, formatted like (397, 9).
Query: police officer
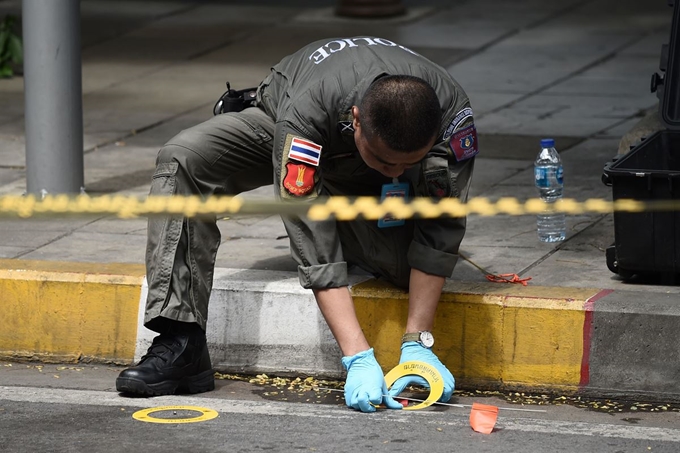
(346, 116)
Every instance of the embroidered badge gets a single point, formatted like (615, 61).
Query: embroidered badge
(304, 151)
(346, 127)
(299, 178)
(464, 143)
(437, 183)
(457, 121)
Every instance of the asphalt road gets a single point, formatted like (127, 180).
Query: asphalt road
(74, 408)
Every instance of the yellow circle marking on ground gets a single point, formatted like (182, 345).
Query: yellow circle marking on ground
(145, 414)
(427, 372)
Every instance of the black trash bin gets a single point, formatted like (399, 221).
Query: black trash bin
(648, 243)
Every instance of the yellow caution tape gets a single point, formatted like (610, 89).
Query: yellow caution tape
(340, 208)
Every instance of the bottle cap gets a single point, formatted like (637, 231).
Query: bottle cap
(547, 143)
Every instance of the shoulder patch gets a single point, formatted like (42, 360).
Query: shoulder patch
(464, 143)
(346, 123)
(305, 151)
(457, 122)
(346, 127)
(299, 179)
(437, 182)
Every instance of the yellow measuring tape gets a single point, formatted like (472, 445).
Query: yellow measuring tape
(424, 370)
(340, 208)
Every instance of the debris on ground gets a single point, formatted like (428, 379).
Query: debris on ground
(306, 389)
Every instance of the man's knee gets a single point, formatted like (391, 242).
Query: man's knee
(176, 166)
(173, 153)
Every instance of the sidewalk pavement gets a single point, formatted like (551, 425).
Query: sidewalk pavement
(73, 288)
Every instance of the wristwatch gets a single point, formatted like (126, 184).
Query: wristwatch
(423, 337)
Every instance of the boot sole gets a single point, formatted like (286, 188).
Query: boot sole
(202, 382)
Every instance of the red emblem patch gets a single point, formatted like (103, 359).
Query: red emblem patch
(299, 178)
(464, 143)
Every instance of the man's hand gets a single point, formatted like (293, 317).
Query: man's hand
(365, 383)
(412, 350)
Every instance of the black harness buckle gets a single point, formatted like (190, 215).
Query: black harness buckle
(235, 100)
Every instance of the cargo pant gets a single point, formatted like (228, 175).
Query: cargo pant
(226, 155)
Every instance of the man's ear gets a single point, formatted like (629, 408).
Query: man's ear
(355, 117)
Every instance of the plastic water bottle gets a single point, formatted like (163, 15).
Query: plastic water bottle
(548, 178)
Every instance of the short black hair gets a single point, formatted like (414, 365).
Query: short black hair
(402, 110)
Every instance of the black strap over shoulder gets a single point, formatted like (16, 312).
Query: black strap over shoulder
(235, 100)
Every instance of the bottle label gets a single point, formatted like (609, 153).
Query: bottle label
(548, 177)
(559, 175)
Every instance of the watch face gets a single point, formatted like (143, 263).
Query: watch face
(426, 339)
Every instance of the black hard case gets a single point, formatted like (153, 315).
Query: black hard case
(648, 243)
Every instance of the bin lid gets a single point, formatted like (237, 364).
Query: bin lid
(668, 91)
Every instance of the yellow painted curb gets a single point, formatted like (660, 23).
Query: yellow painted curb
(488, 332)
(65, 311)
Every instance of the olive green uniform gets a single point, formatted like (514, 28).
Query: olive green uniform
(306, 100)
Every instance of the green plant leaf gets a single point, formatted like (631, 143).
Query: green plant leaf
(15, 49)
(4, 38)
(5, 71)
(11, 48)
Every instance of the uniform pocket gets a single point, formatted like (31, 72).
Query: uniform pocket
(163, 179)
(255, 132)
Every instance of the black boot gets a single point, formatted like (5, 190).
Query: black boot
(175, 363)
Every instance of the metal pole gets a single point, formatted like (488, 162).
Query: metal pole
(53, 96)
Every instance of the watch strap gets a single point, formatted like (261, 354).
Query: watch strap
(413, 336)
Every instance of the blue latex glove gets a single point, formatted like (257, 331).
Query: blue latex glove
(365, 384)
(412, 350)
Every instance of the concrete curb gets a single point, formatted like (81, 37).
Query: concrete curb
(490, 335)
(66, 312)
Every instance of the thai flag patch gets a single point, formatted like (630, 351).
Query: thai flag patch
(304, 151)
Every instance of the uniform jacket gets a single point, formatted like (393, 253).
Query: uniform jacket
(310, 94)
